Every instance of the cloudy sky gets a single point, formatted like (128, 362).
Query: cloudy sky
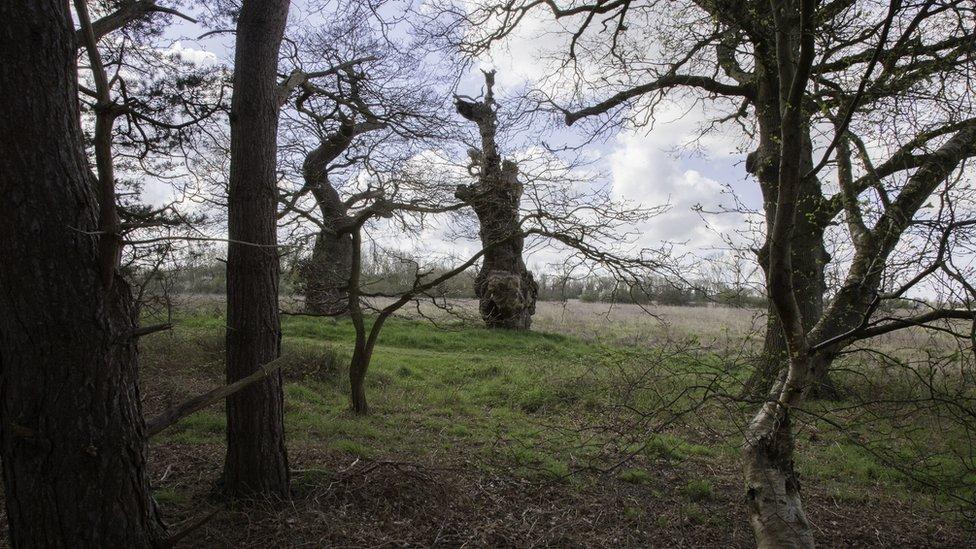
(649, 166)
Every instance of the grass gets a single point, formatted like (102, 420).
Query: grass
(424, 385)
(673, 448)
(538, 406)
(698, 490)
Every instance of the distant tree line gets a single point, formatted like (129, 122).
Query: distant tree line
(387, 276)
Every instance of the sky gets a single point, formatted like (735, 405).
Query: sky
(668, 164)
(650, 167)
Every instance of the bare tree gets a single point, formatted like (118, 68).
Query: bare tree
(815, 81)
(354, 104)
(505, 288)
(773, 491)
(722, 54)
(256, 461)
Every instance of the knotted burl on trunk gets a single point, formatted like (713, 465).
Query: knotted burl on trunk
(505, 288)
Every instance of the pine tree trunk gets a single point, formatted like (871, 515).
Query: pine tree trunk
(71, 430)
(256, 461)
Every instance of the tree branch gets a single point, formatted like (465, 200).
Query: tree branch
(195, 404)
(663, 83)
(129, 12)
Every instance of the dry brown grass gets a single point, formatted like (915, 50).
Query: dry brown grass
(712, 327)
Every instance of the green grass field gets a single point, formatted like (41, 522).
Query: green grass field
(644, 432)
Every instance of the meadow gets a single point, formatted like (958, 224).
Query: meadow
(604, 427)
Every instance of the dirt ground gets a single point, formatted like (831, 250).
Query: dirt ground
(403, 503)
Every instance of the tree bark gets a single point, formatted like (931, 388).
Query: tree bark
(71, 430)
(256, 461)
(505, 288)
(325, 275)
(772, 488)
(808, 256)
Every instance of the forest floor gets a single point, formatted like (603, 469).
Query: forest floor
(481, 438)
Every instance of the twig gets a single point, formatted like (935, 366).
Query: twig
(175, 538)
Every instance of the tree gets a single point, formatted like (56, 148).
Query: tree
(505, 288)
(804, 75)
(74, 467)
(353, 105)
(256, 461)
(722, 55)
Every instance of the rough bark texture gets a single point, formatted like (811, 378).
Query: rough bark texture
(505, 288)
(808, 255)
(256, 461)
(71, 430)
(325, 275)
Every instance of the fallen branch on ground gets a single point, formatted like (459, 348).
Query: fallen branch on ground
(195, 404)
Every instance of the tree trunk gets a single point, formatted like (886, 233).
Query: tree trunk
(772, 488)
(325, 275)
(505, 288)
(71, 429)
(808, 259)
(256, 461)
(365, 342)
(807, 253)
(357, 379)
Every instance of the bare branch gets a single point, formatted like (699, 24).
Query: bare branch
(178, 412)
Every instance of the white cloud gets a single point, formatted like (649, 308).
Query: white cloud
(202, 58)
(645, 170)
